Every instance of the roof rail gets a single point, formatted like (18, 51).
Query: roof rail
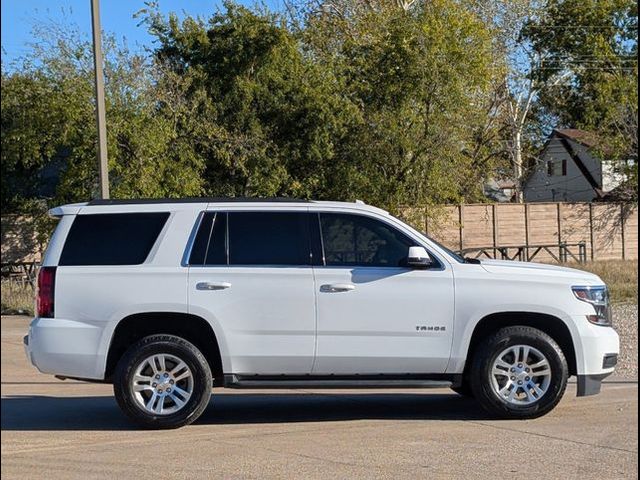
(134, 201)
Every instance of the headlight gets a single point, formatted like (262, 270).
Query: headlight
(599, 298)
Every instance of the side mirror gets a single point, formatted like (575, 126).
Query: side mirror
(418, 258)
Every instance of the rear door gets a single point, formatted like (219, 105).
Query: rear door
(250, 274)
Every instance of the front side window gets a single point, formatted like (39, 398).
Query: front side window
(112, 238)
(356, 240)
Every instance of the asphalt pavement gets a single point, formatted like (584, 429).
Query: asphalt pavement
(58, 430)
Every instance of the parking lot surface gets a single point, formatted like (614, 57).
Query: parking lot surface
(53, 429)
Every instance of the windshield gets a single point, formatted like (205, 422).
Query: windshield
(456, 256)
(459, 258)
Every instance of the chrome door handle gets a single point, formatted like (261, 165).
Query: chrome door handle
(212, 285)
(338, 287)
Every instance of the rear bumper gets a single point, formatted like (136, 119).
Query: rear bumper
(65, 347)
(27, 351)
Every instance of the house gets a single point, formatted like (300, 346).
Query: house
(501, 191)
(568, 170)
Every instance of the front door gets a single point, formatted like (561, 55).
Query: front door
(375, 315)
(250, 275)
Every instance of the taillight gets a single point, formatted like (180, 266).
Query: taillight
(46, 291)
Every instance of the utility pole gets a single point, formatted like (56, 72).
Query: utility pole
(100, 108)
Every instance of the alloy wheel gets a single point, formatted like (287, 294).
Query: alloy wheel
(520, 375)
(162, 384)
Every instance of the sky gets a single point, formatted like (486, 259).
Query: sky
(116, 16)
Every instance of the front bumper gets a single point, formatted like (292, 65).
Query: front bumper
(596, 355)
(590, 384)
(65, 347)
(593, 343)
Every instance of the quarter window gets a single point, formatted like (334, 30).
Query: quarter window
(112, 238)
(356, 240)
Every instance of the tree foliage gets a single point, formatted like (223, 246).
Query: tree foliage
(417, 78)
(594, 43)
(49, 134)
(269, 118)
(392, 102)
(378, 106)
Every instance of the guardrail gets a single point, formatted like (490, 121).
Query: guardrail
(560, 252)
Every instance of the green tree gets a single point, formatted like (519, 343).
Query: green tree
(30, 134)
(594, 44)
(48, 126)
(268, 117)
(419, 76)
(385, 101)
(384, 104)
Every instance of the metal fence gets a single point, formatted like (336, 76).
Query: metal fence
(561, 253)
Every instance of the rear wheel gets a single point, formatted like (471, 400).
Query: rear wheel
(519, 372)
(163, 381)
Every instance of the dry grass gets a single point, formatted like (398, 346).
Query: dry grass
(17, 298)
(620, 275)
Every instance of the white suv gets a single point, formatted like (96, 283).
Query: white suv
(167, 299)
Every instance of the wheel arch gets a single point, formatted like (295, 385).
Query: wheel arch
(192, 328)
(553, 326)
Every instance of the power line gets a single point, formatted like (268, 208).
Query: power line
(592, 27)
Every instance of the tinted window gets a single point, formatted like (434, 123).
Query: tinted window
(268, 238)
(314, 239)
(209, 246)
(199, 247)
(112, 239)
(217, 248)
(355, 240)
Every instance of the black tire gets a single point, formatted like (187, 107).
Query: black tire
(488, 351)
(171, 345)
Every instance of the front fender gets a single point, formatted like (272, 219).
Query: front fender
(465, 329)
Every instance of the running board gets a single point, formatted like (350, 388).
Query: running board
(338, 381)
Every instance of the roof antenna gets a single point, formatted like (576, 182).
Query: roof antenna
(360, 202)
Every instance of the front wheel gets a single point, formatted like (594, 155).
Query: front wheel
(162, 381)
(519, 372)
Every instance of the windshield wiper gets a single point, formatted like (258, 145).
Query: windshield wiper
(474, 261)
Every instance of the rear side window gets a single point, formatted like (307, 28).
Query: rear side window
(252, 238)
(112, 238)
(268, 238)
(209, 246)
